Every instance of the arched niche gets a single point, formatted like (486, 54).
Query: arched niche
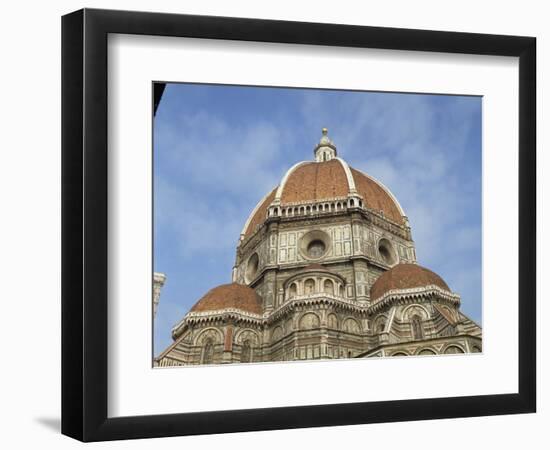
(328, 287)
(209, 333)
(208, 350)
(309, 286)
(427, 352)
(309, 321)
(246, 352)
(292, 291)
(277, 334)
(332, 321)
(380, 324)
(453, 349)
(415, 310)
(351, 325)
(417, 327)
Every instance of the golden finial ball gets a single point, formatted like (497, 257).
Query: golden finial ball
(325, 131)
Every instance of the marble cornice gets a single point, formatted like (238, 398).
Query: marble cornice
(402, 296)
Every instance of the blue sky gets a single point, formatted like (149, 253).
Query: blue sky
(219, 149)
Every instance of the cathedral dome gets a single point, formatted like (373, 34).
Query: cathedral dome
(406, 276)
(230, 296)
(317, 181)
(326, 178)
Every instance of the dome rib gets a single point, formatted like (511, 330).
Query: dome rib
(315, 181)
(349, 175)
(258, 215)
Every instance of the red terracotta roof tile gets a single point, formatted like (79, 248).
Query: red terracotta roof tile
(405, 276)
(232, 295)
(375, 197)
(260, 215)
(316, 181)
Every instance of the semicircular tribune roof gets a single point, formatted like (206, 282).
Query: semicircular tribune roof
(405, 276)
(230, 296)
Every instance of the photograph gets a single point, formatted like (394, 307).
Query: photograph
(298, 224)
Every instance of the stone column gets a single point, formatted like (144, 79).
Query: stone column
(324, 333)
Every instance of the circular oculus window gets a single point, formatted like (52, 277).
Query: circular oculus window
(252, 267)
(316, 248)
(386, 252)
(314, 245)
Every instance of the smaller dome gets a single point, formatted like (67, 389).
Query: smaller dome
(405, 276)
(233, 295)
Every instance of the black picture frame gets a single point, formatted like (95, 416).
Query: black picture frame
(84, 224)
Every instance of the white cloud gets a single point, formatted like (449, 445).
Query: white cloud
(220, 158)
(417, 150)
(226, 171)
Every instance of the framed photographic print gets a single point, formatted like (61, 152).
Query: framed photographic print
(273, 224)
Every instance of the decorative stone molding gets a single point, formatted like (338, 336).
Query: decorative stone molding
(221, 315)
(402, 296)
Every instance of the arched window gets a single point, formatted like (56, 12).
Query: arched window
(386, 252)
(309, 321)
(381, 326)
(293, 291)
(246, 352)
(208, 352)
(351, 326)
(328, 287)
(453, 349)
(417, 331)
(309, 286)
(426, 351)
(277, 334)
